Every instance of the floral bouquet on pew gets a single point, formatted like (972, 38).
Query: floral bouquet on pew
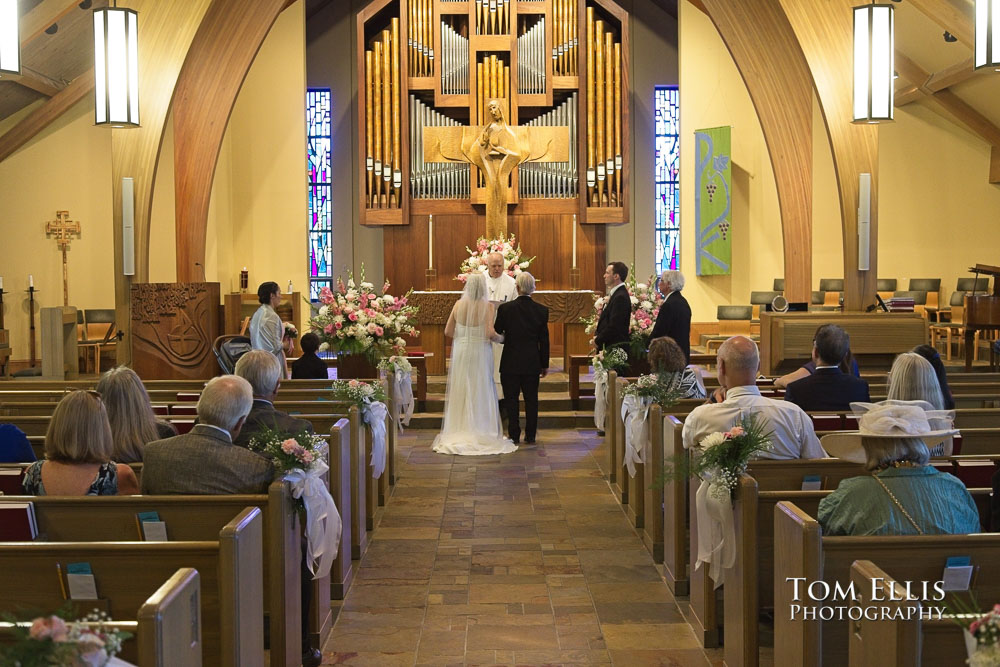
(719, 460)
(982, 635)
(51, 640)
(370, 397)
(301, 458)
(476, 262)
(398, 370)
(637, 398)
(609, 359)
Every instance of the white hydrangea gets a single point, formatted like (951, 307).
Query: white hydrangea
(634, 300)
(647, 305)
(324, 311)
(389, 299)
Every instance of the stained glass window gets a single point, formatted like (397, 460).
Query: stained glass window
(320, 207)
(667, 223)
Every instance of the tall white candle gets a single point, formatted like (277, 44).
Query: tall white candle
(31, 280)
(1, 282)
(574, 240)
(430, 241)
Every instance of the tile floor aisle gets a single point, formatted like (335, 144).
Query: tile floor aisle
(519, 559)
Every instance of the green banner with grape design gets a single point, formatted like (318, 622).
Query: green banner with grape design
(712, 201)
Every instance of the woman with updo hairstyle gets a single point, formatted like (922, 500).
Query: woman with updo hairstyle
(133, 424)
(78, 450)
(667, 360)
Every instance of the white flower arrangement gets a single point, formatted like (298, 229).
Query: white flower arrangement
(513, 264)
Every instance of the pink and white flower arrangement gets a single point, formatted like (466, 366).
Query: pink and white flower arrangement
(511, 251)
(358, 392)
(646, 302)
(357, 320)
(51, 640)
(290, 451)
(290, 330)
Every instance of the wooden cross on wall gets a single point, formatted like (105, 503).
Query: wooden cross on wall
(62, 229)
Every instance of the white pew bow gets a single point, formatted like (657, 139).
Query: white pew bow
(323, 524)
(635, 411)
(374, 415)
(403, 393)
(600, 397)
(716, 532)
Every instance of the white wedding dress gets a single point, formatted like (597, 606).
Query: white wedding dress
(471, 423)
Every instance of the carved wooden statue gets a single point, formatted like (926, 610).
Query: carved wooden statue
(496, 150)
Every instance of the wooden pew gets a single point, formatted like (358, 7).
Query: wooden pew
(888, 643)
(127, 573)
(675, 516)
(611, 429)
(802, 551)
(194, 519)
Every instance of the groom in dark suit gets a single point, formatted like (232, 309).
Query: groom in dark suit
(612, 327)
(525, 358)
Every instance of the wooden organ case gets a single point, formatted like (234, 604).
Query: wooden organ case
(438, 62)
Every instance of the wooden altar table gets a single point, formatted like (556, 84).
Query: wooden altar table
(566, 308)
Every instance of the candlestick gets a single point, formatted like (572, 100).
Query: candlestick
(244, 279)
(574, 240)
(430, 278)
(1, 283)
(31, 280)
(430, 241)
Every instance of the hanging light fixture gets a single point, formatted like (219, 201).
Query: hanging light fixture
(874, 47)
(10, 40)
(116, 67)
(988, 34)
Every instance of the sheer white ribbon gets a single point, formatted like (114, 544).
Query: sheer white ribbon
(323, 524)
(403, 395)
(634, 413)
(374, 414)
(600, 397)
(716, 532)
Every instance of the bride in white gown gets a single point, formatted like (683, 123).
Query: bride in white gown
(471, 423)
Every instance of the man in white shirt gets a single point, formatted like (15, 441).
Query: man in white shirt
(738, 361)
(502, 289)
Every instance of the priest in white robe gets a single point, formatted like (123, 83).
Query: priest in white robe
(502, 289)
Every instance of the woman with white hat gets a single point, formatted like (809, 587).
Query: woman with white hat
(904, 495)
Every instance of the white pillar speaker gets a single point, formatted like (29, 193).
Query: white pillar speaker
(128, 227)
(864, 221)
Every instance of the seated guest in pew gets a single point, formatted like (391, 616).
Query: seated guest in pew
(666, 359)
(205, 461)
(14, 445)
(904, 495)
(130, 414)
(848, 365)
(309, 366)
(262, 371)
(828, 388)
(912, 378)
(934, 359)
(78, 451)
(738, 360)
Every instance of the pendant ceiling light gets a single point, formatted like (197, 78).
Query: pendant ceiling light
(874, 45)
(10, 41)
(988, 34)
(116, 67)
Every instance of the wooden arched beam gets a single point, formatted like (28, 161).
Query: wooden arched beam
(825, 34)
(165, 32)
(776, 74)
(217, 64)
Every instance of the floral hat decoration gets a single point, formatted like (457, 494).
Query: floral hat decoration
(891, 419)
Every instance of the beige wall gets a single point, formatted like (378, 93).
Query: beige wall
(65, 167)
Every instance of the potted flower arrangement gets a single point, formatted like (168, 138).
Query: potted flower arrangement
(301, 459)
(646, 301)
(362, 325)
(51, 640)
(513, 264)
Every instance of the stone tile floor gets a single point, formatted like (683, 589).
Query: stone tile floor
(519, 559)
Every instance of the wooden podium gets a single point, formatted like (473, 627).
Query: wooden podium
(60, 359)
(173, 328)
(786, 339)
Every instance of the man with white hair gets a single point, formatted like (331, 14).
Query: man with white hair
(524, 326)
(205, 461)
(263, 372)
(674, 318)
(501, 289)
(792, 431)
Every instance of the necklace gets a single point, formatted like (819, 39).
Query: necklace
(904, 463)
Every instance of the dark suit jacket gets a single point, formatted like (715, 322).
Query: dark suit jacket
(524, 325)
(674, 320)
(612, 327)
(309, 367)
(263, 416)
(827, 389)
(203, 462)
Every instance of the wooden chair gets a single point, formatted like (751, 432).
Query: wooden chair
(832, 288)
(955, 329)
(761, 299)
(733, 321)
(99, 324)
(778, 285)
(972, 285)
(932, 286)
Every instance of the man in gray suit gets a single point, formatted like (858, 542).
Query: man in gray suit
(263, 372)
(205, 461)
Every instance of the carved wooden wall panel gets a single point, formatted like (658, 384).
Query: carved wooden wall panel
(173, 328)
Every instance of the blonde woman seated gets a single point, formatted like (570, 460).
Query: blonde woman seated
(78, 451)
(133, 424)
(903, 495)
(666, 359)
(913, 378)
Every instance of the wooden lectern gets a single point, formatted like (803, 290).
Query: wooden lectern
(982, 313)
(60, 358)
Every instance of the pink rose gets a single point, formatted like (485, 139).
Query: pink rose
(52, 627)
(379, 331)
(288, 446)
(307, 457)
(328, 328)
(326, 296)
(353, 317)
(338, 325)
(371, 327)
(353, 383)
